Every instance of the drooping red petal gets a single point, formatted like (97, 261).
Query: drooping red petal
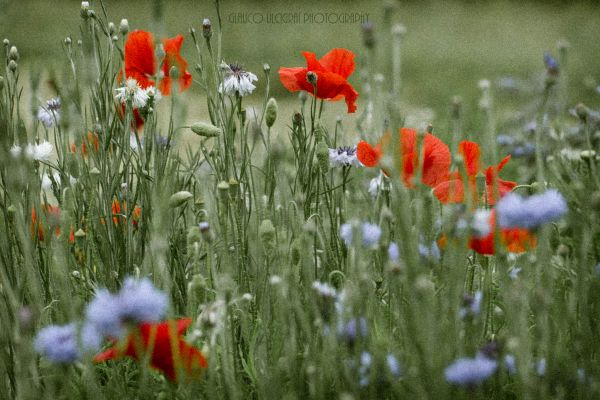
(436, 162)
(368, 155)
(338, 61)
(492, 178)
(173, 58)
(450, 191)
(288, 77)
(471, 154)
(140, 62)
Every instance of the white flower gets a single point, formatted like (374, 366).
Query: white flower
(132, 91)
(153, 93)
(39, 152)
(15, 151)
(236, 80)
(47, 182)
(133, 143)
(381, 182)
(344, 156)
(481, 223)
(324, 289)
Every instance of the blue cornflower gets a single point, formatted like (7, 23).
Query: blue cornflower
(365, 365)
(510, 364)
(550, 62)
(346, 233)
(516, 211)
(471, 305)
(470, 371)
(393, 365)
(505, 140)
(432, 251)
(525, 150)
(64, 344)
(137, 301)
(348, 332)
(514, 273)
(540, 367)
(370, 234)
(394, 252)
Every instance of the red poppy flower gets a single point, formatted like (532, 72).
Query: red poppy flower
(516, 240)
(332, 70)
(436, 157)
(91, 140)
(169, 352)
(118, 213)
(452, 189)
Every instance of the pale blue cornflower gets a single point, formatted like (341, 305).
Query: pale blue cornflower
(353, 329)
(137, 301)
(50, 114)
(532, 212)
(64, 344)
(540, 367)
(344, 156)
(394, 252)
(510, 364)
(370, 234)
(505, 140)
(346, 233)
(470, 371)
(514, 273)
(365, 365)
(431, 252)
(393, 365)
(471, 305)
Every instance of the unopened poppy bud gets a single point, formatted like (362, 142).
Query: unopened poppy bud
(199, 204)
(114, 38)
(6, 42)
(180, 198)
(271, 112)
(266, 68)
(582, 111)
(223, 190)
(174, 72)
(206, 28)
(234, 188)
(12, 65)
(266, 232)
(205, 129)
(311, 77)
(112, 29)
(368, 34)
(68, 41)
(13, 54)
(297, 118)
(124, 27)
(85, 6)
(322, 153)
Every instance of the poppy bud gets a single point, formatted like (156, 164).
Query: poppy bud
(271, 112)
(68, 41)
(206, 28)
(205, 129)
(266, 68)
(6, 42)
(112, 29)
(297, 119)
(85, 6)
(322, 152)
(124, 27)
(223, 189)
(12, 65)
(13, 54)
(368, 34)
(174, 72)
(160, 54)
(311, 77)
(266, 232)
(12, 209)
(180, 198)
(582, 111)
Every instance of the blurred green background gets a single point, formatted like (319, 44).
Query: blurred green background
(448, 48)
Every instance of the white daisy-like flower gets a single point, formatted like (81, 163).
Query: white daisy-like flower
(39, 152)
(50, 114)
(15, 151)
(154, 94)
(481, 223)
(132, 91)
(344, 156)
(237, 80)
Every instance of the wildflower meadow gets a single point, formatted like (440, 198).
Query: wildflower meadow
(177, 223)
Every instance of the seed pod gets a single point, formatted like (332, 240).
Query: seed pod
(179, 198)
(271, 112)
(13, 54)
(205, 129)
(124, 27)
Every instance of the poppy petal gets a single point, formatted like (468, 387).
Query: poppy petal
(140, 62)
(437, 160)
(288, 77)
(471, 154)
(173, 59)
(339, 61)
(368, 155)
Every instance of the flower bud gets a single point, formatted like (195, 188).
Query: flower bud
(112, 29)
(398, 30)
(6, 42)
(311, 78)
(124, 27)
(180, 198)
(322, 153)
(68, 41)
(266, 68)
(13, 54)
(206, 28)
(85, 6)
(160, 52)
(205, 129)
(266, 232)
(223, 190)
(582, 111)
(368, 34)
(297, 119)
(174, 72)
(234, 188)
(271, 112)
(12, 65)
